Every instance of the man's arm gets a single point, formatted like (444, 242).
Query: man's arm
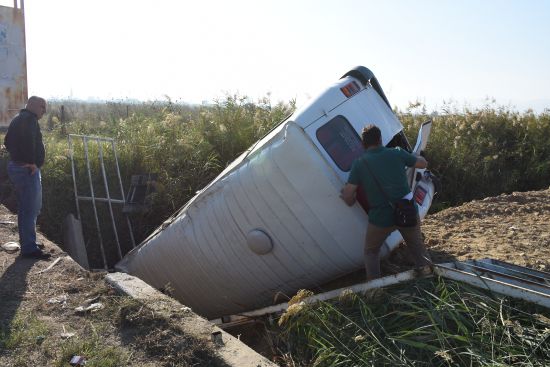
(411, 159)
(348, 193)
(33, 167)
(421, 162)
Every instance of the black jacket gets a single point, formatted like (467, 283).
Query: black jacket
(24, 139)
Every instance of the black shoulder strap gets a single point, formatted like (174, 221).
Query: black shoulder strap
(377, 183)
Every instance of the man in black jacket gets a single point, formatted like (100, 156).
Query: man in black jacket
(24, 143)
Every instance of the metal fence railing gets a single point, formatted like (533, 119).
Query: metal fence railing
(94, 198)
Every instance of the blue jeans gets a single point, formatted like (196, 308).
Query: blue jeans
(29, 203)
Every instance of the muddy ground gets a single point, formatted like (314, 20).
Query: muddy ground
(40, 306)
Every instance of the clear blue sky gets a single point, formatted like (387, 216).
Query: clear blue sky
(198, 50)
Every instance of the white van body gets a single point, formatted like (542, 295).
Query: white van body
(273, 222)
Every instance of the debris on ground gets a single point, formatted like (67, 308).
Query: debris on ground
(11, 246)
(90, 308)
(77, 361)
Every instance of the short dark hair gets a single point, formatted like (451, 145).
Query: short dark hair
(371, 135)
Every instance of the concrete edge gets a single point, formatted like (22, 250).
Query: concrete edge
(230, 349)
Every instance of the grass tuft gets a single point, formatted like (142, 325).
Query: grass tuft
(25, 331)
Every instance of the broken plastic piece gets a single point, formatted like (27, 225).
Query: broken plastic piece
(11, 246)
(77, 361)
(91, 308)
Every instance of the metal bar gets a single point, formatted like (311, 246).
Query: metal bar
(131, 232)
(74, 177)
(104, 174)
(490, 274)
(449, 271)
(357, 288)
(507, 286)
(512, 272)
(85, 140)
(122, 193)
(102, 200)
(522, 269)
(93, 137)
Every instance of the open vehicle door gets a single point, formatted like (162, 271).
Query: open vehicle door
(421, 180)
(423, 136)
(421, 143)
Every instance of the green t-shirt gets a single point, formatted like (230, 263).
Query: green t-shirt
(388, 165)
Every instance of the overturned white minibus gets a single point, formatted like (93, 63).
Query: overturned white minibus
(273, 220)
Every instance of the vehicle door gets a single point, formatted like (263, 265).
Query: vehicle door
(421, 180)
(337, 133)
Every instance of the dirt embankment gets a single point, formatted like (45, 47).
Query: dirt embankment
(513, 228)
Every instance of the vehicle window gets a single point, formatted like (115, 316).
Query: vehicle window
(400, 140)
(341, 142)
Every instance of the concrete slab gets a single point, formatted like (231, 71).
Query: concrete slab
(73, 241)
(230, 349)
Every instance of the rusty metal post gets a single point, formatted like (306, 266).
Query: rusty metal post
(24, 82)
(13, 93)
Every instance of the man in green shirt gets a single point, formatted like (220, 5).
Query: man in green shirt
(388, 165)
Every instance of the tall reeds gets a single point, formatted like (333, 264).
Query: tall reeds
(475, 152)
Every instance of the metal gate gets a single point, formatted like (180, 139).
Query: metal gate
(93, 198)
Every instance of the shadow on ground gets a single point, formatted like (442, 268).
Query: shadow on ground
(13, 285)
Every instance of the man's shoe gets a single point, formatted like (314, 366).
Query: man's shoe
(38, 255)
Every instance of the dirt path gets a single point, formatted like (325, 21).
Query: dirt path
(39, 324)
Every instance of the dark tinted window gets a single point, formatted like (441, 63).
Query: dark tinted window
(399, 140)
(341, 142)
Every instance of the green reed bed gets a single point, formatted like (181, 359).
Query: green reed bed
(475, 152)
(431, 322)
(483, 152)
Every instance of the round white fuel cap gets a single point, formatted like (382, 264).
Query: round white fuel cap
(259, 242)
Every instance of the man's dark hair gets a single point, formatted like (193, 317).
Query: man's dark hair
(371, 135)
